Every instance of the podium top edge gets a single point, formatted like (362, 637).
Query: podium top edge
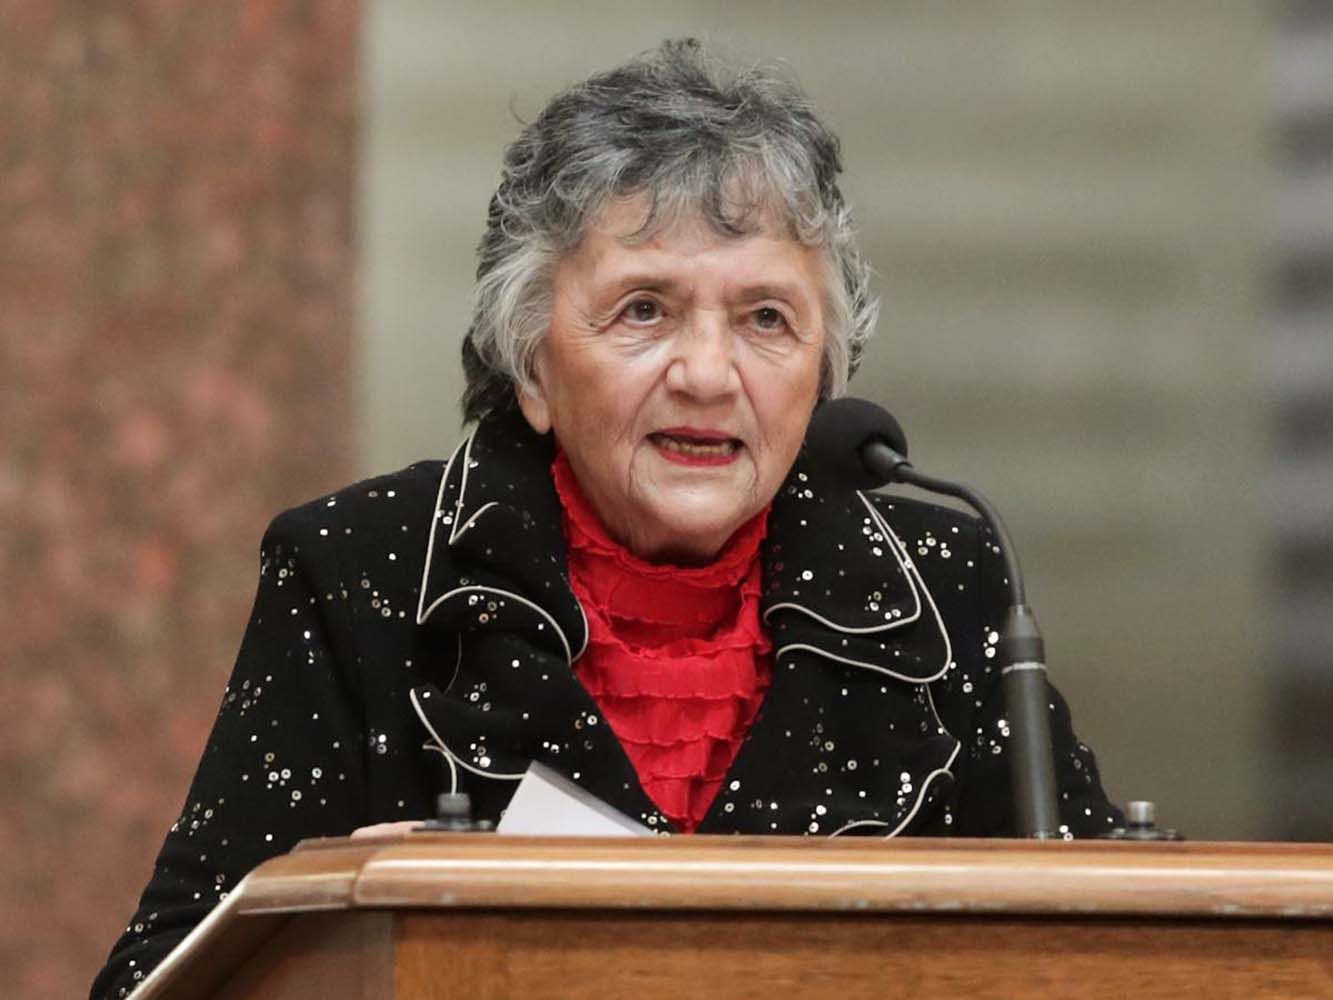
(478, 871)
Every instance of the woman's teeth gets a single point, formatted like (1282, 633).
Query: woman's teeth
(713, 449)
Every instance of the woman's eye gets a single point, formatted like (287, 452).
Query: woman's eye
(768, 318)
(643, 311)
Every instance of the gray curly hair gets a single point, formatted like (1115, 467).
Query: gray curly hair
(731, 147)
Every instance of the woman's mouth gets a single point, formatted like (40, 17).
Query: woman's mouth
(689, 449)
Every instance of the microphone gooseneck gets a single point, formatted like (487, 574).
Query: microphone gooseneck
(863, 447)
(905, 473)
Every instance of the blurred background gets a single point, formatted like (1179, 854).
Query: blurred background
(236, 246)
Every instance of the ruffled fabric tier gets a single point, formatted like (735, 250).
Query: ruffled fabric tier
(677, 659)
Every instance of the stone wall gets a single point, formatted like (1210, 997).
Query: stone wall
(176, 300)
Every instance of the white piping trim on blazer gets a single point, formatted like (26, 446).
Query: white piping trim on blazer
(938, 721)
(564, 640)
(916, 806)
(903, 565)
(453, 768)
(582, 614)
(939, 619)
(453, 757)
(458, 531)
(919, 682)
(930, 599)
(458, 660)
(465, 448)
(914, 578)
(458, 528)
(434, 523)
(806, 647)
(439, 747)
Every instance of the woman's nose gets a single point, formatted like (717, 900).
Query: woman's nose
(704, 365)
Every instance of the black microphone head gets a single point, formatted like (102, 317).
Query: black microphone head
(840, 429)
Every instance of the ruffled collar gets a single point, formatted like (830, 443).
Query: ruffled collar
(693, 602)
(677, 659)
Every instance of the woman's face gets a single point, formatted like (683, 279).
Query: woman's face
(679, 375)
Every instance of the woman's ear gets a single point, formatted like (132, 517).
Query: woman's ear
(533, 404)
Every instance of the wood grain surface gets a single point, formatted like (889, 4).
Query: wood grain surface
(448, 915)
(1222, 880)
(572, 955)
(347, 956)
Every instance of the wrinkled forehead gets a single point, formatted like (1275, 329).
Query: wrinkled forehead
(625, 237)
(738, 208)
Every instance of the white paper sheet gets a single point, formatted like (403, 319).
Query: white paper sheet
(548, 804)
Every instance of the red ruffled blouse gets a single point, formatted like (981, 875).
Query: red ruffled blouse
(676, 660)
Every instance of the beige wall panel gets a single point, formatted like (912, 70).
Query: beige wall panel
(1062, 202)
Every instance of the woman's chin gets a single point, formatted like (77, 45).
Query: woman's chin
(687, 535)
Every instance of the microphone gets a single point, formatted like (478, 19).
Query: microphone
(861, 446)
(857, 443)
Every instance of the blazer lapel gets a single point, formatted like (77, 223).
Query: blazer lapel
(496, 576)
(847, 738)
(839, 583)
(497, 528)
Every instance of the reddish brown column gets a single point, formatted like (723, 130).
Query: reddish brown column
(176, 299)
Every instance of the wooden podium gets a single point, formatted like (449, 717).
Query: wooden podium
(482, 916)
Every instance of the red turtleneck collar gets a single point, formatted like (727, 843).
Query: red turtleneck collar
(676, 660)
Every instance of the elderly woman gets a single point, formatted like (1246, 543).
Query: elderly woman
(627, 571)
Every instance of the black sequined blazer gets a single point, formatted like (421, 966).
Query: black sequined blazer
(428, 612)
